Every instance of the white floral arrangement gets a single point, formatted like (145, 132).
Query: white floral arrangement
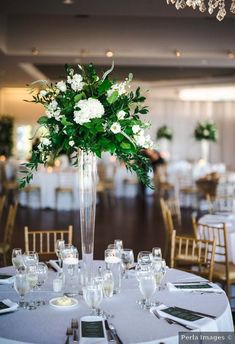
(93, 114)
(206, 130)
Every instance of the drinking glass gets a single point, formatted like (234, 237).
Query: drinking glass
(145, 257)
(69, 255)
(17, 258)
(108, 283)
(22, 287)
(127, 257)
(147, 285)
(113, 263)
(30, 258)
(42, 271)
(93, 296)
(118, 243)
(59, 246)
(33, 280)
(157, 253)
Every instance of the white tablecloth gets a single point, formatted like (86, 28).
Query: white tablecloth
(217, 220)
(47, 325)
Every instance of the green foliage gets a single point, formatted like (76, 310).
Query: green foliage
(6, 135)
(164, 132)
(72, 126)
(206, 130)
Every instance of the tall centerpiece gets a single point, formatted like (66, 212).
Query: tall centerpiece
(164, 135)
(86, 115)
(206, 132)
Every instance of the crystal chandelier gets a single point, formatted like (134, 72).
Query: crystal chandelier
(218, 5)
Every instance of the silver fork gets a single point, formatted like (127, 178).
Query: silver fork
(171, 321)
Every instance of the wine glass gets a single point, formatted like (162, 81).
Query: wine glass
(17, 258)
(22, 287)
(127, 257)
(30, 258)
(147, 285)
(118, 243)
(93, 296)
(59, 246)
(157, 253)
(33, 280)
(42, 271)
(145, 257)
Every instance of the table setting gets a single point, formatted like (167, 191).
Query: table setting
(125, 302)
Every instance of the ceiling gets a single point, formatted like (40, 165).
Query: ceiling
(143, 36)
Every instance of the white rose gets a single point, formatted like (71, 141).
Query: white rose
(52, 105)
(140, 140)
(121, 114)
(205, 132)
(120, 88)
(115, 128)
(76, 82)
(148, 142)
(71, 143)
(136, 128)
(61, 85)
(45, 141)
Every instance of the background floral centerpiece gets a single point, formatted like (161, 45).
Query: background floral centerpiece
(93, 114)
(206, 130)
(164, 132)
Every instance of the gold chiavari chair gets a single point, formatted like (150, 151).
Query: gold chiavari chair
(168, 225)
(173, 205)
(5, 245)
(224, 271)
(43, 241)
(220, 203)
(188, 253)
(2, 203)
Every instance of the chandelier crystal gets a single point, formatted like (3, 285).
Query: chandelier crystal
(213, 5)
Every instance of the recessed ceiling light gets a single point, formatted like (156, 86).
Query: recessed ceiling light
(230, 54)
(177, 53)
(109, 53)
(68, 2)
(35, 51)
(221, 93)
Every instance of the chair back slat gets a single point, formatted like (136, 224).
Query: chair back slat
(10, 223)
(43, 241)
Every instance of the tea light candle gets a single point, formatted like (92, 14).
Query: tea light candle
(57, 284)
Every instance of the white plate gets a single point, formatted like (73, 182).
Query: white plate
(53, 303)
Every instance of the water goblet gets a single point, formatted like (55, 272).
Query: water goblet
(157, 253)
(141, 269)
(42, 271)
(59, 246)
(145, 257)
(22, 287)
(17, 258)
(147, 286)
(30, 258)
(127, 257)
(118, 243)
(93, 296)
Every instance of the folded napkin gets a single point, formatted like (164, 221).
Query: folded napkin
(92, 330)
(196, 322)
(7, 306)
(204, 287)
(6, 279)
(54, 265)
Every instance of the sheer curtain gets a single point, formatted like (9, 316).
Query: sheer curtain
(182, 117)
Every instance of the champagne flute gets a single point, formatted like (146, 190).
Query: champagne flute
(127, 257)
(147, 285)
(42, 271)
(93, 296)
(17, 258)
(59, 246)
(22, 287)
(108, 283)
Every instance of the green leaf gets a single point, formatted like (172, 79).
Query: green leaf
(113, 97)
(42, 120)
(126, 145)
(79, 97)
(104, 87)
(65, 122)
(119, 137)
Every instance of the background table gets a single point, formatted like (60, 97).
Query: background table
(47, 325)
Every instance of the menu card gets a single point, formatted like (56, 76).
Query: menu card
(5, 276)
(92, 329)
(182, 314)
(193, 286)
(3, 305)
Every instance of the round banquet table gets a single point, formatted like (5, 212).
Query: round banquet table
(47, 325)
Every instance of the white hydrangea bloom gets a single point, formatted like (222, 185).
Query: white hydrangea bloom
(121, 114)
(53, 110)
(136, 128)
(140, 140)
(121, 88)
(61, 85)
(148, 142)
(205, 132)
(45, 141)
(115, 128)
(75, 82)
(88, 109)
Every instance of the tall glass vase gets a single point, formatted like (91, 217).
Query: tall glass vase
(205, 150)
(87, 195)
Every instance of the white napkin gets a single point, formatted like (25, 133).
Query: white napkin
(54, 264)
(12, 306)
(92, 340)
(9, 280)
(205, 324)
(215, 287)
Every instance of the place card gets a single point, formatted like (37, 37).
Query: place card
(181, 314)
